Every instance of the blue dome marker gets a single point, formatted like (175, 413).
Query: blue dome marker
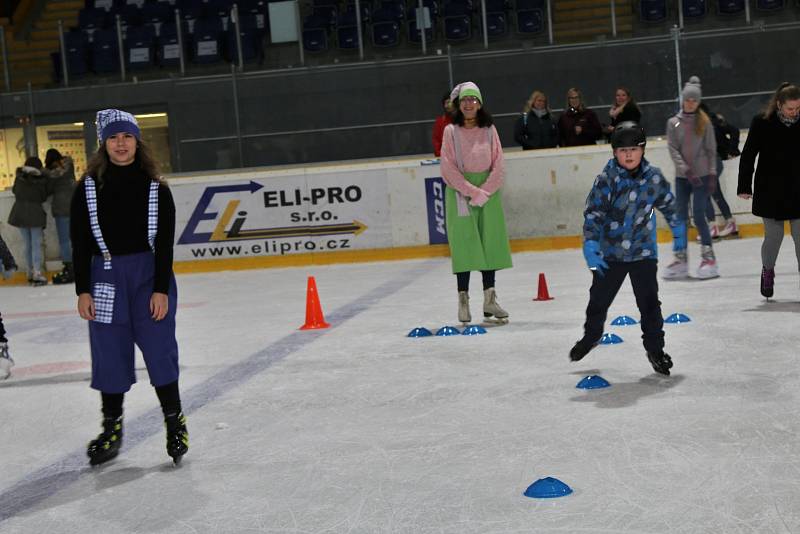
(547, 488)
(677, 318)
(420, 331)
(448, 331)
(473, 330)
(610, 339)
(624, 320)
(593, 382)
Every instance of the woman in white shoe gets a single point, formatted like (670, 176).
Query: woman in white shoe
(775, 138)
(472, 167)
(693, 149)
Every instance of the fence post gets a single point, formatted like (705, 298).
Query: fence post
(64, 69)
(121, 47)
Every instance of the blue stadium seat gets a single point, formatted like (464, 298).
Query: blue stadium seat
(157, 13)
(496, 24)
(76, 54)
(457, 21)
(104, 51)
(530, 21)
(385, 33)
(693, 9)
(251, 38)
(168, 48)
(329, 13)
(257, 8)
(523, 5)
(730, 7)
(315, 39)
(347, 31)
(653, 10)
(206, 41)
(769, 5)
(366, 10)
(140, 47)
(414, 34)
(90, 19)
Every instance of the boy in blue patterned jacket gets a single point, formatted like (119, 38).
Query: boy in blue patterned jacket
(619, 234)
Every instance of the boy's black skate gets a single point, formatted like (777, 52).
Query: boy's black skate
(177, 436)
(107, 445)
(581, 349)
(660, 361)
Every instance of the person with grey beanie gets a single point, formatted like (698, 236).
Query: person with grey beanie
(693, 149)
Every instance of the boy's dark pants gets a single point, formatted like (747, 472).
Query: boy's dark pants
(645, 288)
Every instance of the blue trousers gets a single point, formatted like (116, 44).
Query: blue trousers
(132, 325)
(684, 190)
(718, 197)
(32, 237)
(64, 244)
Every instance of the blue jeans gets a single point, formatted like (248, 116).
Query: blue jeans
(33, 248)
(718, 198)
(684, 190)
(64, 244)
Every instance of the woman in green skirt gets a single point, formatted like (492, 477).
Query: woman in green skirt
(473, 169)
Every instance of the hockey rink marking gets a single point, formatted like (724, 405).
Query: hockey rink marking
(49, 368)
(46, 481)
(60, 313)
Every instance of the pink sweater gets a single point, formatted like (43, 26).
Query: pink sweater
(477, 156)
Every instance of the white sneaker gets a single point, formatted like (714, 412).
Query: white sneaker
(6, 363)
(38, 279)
(678, 269)
(729, 229)
(464, 316)
(708, 265)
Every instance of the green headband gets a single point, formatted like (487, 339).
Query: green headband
(469, 91)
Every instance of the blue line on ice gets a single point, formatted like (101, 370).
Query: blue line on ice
(49, 480)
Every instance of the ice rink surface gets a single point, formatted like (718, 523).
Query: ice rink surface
(358, 428)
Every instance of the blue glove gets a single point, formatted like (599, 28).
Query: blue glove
(679, 237)
(594, 258)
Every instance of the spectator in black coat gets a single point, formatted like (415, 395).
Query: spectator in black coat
(624, 109)
(27, 214)
(578, 125)
(774, 138)
(535, 127)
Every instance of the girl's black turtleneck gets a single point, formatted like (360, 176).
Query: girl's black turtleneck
(122, 206)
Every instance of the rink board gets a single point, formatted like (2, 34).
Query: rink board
(372, 210)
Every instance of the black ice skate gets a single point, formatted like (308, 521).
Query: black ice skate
(66, 276)
(767, 282)
(660, 361)
(107, 445)
(581, 349)
(177, 436)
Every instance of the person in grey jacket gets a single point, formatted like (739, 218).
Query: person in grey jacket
(693, 149)
(61, 173)
(27, 214)
(535, 128)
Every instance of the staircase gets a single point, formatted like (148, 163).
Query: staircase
(588, 20)
(29, 59)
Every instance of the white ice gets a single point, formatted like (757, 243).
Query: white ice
(358, 428)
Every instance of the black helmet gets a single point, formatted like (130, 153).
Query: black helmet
(628, 134)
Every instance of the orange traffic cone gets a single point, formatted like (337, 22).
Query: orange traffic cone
(543, 294)
(314, 317)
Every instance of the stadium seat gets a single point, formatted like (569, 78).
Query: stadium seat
(168, 48)
(251, 38)
(769, 5)
(530, 21)
(653, 10)
(457, 21)
(206, 41)
(730, 7)
(140, 46)
(104, 51)
(693, 9)
(347, 31)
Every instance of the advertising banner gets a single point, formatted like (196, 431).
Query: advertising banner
(283, 215)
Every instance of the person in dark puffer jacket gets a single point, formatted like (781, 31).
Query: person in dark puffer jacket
(536, 128)
(27, 214)
(61, 173)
